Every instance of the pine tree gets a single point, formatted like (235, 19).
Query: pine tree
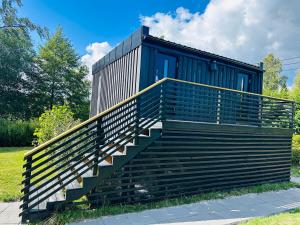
(62, 77)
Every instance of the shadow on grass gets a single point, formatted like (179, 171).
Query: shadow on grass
(14, 149)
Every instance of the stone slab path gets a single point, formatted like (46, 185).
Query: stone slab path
(295, 179)
(214, 212)
(9, 213)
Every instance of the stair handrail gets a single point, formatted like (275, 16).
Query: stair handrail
(38, 152)
(92, 119)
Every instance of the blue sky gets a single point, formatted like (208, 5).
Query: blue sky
(245, 30)
(86, 22)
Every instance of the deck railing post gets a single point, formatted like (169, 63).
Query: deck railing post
(162, 101)
(260, 111)
(99, 142)
(292, 116)
(219, 107)
(137, 121)
(26, 186)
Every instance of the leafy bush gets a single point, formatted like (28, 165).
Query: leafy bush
(16, 132)
(296, 149)
(54, 122)
(297, 121)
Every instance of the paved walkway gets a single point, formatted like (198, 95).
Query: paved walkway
(296, 179)
(214, 212)
(9, 213)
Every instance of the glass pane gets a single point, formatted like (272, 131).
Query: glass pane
(166, 67)
(242, 82)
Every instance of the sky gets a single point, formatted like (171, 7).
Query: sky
(245, 30)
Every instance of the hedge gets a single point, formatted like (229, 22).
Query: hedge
(16, 132)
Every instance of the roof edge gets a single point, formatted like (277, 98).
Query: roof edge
(133, 41)
(205, 53)
(136, 39)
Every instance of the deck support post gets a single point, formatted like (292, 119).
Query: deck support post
(98, 143)
(26, 187)
(162, 102)
(137, 120)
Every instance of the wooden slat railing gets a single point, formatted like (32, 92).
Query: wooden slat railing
(49, 167)
(190, 101)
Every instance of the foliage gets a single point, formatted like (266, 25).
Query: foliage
(274, 83)
(53, 122)
(295, 93)
(62, 77)
(10, 21)
(16, 66)
(297, 121)
(11, 161)
(296, 149)
(80, 214)
(16, 132)
(29, 84)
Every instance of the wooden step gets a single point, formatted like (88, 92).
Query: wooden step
(204, 142)
(64, 179)
(184, 137)
(85, 170)
(42, 205)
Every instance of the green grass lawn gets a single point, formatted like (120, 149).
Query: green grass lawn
(11, 162)
(287, 218)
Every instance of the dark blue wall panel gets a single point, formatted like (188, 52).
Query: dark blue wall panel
(197, 69)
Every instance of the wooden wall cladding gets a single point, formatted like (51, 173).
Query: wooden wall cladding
(191, 158)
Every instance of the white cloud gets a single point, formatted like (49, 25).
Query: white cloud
(95, 51)
(246, 30)
(242, 29)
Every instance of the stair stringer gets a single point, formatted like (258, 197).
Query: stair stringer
(89, 183)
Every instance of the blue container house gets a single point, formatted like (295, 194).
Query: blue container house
(142, 59)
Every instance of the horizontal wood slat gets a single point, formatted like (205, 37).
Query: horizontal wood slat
(165, 169)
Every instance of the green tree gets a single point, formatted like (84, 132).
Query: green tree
(274, 83)
(62, 76)
(295, 92)
(17, 66)
(9, 19)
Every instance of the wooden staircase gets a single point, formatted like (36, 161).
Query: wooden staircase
(85, 182)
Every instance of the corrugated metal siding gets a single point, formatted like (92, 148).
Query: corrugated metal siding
(118, 81)
(196, 69)
(94, 98)
(126, 46)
